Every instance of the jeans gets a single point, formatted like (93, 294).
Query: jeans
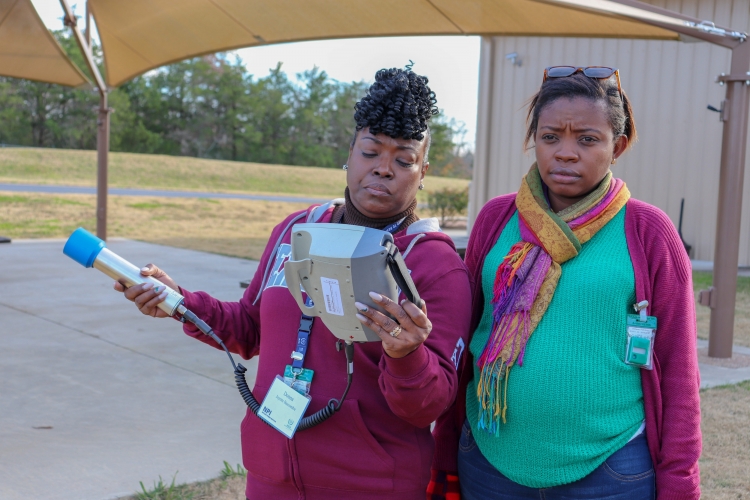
(626, 475)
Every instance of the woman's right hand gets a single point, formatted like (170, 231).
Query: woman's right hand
(147, 296)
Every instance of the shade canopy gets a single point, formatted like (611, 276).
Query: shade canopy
(139, 35)
(28, 50)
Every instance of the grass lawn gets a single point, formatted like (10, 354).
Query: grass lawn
(725, 463)
(230, 485)
(238, 228)
(703, 280)
(130, 170)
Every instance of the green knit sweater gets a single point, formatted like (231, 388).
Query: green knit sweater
(574, 401)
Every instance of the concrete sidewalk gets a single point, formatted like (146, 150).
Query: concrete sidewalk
(96, 397)
(718, 371)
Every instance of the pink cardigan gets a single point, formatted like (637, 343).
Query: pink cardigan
(670, 391)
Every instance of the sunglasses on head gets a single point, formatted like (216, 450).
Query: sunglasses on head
(595, 72)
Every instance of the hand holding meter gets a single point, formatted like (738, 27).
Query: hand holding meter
(401, 335)
(340, 264)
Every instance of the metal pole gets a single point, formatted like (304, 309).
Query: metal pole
(726, 256)
(102, 156)
(102, 140)
(88, 25)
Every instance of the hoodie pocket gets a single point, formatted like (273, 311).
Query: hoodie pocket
(342, 454)
(264, 450)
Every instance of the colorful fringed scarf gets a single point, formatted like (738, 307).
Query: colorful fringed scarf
(526, 279)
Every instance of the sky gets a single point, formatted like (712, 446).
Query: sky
(450, 63)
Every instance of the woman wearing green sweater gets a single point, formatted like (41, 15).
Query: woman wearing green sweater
(568, 393)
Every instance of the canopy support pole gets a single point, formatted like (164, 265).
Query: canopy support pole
(87, 32)
(102, 165)
(102, 140)
(731, 178)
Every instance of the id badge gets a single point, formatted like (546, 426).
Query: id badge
(301, 383)
(283, 407)
(640, 345)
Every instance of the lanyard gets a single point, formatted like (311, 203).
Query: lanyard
(392, 228)
(303, 336)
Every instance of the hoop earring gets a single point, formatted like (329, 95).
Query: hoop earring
(421, 186)
(345, 167)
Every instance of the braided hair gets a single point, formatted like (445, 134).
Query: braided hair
(399, 104)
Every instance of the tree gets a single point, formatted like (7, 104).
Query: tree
(15, 124)
(448, 203)
(208, 107)
(449, 155)
(310, 128)
(341, 124)
(272, 117)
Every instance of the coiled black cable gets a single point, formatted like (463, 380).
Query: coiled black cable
(245, 392)
(316, 418)
(333, 404)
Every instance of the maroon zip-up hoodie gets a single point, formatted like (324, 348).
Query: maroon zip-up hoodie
(379, 444)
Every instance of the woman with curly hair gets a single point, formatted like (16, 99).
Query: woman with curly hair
(379, 444)
(567, 392)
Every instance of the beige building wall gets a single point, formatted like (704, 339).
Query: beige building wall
(669, 83)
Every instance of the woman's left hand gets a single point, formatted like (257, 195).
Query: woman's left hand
(402, 336)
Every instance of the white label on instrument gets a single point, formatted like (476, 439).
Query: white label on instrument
(332, 295)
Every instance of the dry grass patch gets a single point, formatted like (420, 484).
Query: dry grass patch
(725, 463)
(230, 485)
(217, 489)
(239, 228)
(44, 216)
(131, 170)
(703, 280)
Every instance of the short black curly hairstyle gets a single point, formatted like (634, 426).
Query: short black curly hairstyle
(399, 104)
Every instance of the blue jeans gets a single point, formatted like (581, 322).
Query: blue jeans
(626, 475)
